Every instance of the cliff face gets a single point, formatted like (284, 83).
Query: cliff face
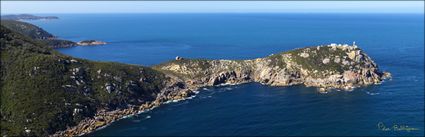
(331, 66)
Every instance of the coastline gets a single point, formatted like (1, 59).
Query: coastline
(104, 118)
(181, 87)
(406, 74)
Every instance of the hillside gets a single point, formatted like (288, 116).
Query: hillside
(36, 33)
(27, 29)
(43, 91)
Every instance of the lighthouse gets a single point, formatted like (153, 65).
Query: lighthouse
(354, 45)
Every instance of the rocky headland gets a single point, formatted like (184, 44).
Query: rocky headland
(27, 17)
(46, 93)
(43, 36)
(325, 67)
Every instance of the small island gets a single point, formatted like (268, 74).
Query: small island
(90, 43)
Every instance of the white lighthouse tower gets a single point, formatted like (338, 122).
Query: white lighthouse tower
(354, 44)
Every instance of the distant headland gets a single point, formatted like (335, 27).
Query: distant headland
(27, 17)
(43, 36)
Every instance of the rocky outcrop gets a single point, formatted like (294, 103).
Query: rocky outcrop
(90, 43)
(325, 67)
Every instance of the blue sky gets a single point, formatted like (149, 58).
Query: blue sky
(11, 7)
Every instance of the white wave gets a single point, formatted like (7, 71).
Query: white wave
(168, 102)
(141, 111)
(191, 97)
(324, 92)
(224, 84)
(372, 94)
(127, 116)
(102, 127)
(148, 117)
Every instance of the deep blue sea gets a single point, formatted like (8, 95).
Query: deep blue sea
(394, 41)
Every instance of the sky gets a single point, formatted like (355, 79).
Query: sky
(34, 7)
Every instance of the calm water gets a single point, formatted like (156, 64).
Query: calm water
(394, 41)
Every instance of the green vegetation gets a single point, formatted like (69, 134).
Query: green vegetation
(277, 60)
(27, 29)
(193, 65)
(36, 33)
(316, 57)
(198, 63)
(43, 91)
(58, 43)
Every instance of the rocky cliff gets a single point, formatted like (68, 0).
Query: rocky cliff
(329, 66)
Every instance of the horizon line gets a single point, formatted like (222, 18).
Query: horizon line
(16, 13)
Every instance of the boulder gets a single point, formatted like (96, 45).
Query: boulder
(352, 55)
(337, 60)
(304, 55)
(326, 61)
(109, 87)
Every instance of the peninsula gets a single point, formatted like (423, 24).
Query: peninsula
(326, 67)
(43, 36)
(46, 93)
(27, 17)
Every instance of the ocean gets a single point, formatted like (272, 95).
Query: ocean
(394, 41)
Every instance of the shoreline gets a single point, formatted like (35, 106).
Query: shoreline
(258, 70)
(103, 118)
(90, 125)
